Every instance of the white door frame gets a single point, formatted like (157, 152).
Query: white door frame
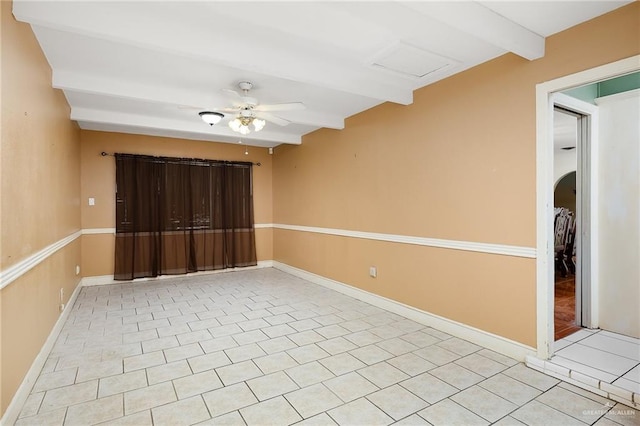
(586, 208)
(546, 97)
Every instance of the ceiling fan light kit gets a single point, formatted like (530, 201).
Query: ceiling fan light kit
(241, 123)
(211, 117)
(251, 115)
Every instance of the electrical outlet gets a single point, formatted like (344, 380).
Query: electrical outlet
(61, 295)
(77, 269)
(373, 271)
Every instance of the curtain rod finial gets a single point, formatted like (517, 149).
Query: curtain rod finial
(104, 154)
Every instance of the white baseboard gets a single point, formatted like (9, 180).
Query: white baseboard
(17, 402)
(98, 280)
(108, 279)
(483, 338)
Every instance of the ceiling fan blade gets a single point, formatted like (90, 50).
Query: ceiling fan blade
(232, 93)
(228, 109)
(240, 100)
(289, 106)
(272, 119)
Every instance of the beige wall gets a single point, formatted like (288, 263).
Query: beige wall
(29, 311)
(459, 164)
(98, 181)
(40, 189)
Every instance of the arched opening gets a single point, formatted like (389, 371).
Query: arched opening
(564, 201)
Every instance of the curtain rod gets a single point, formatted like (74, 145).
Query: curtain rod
(106, 154)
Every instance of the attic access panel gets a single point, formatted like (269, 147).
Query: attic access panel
(410, 61)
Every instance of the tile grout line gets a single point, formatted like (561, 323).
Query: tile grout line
(567, 414)
(600, 381)
(194, 304)
(605, 351)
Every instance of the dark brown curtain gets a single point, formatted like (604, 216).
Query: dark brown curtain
(176, 215)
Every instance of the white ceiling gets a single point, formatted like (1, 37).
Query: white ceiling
(133, 66)
(565, 131)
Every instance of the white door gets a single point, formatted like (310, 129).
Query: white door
(619, 213)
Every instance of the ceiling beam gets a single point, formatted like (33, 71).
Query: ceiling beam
(133, 130)
(126, 89)
(313, 118)
(243, 50)
(479, 21)
(213, 133)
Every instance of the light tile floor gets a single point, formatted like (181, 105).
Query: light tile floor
(264, 347)
(602, 355)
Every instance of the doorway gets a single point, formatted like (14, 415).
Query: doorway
(567, 313)
(573, 121)
(547, 96)
(605, 354)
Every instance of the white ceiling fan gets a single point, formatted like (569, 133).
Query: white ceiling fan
(248, 111)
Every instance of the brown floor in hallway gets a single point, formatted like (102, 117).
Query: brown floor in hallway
(565, 307)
